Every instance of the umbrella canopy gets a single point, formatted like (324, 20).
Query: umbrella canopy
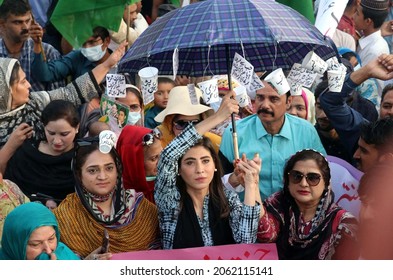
(75, 20)
(267, 33)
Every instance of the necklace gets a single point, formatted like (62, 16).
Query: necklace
(98, 198)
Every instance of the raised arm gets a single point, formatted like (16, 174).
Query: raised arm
(85, 87)
(344, 119)
(54, 70)
(165, 186)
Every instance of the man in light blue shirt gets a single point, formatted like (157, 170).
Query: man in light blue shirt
(273, 134)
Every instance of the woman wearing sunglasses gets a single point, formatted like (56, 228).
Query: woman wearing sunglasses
(302, 219)
(194, 208)
(100, 202)
(179, 112)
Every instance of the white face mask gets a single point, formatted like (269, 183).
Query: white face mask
(93, 54)
(150, 178)
(133, 117)
(357, 67)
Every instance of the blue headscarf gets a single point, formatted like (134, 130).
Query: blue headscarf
(19, 225)
(342, 51)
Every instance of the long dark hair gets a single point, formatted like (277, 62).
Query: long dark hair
(216, 188)
(60, 109)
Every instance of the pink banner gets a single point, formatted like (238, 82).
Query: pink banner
(266, 251)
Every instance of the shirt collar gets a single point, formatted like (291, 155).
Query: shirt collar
(284, 132)
(364, 41)
(25, 49)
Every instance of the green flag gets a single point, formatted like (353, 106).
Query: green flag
(304, 7)
(76, 19)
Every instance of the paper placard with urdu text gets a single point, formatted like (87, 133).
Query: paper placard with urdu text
(302, 76)
(148, 88)
(116, 85)
(242, 70)
(193, 95)
(255, 83)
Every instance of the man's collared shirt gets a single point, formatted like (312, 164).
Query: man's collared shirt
(26, 58)
(296, 134)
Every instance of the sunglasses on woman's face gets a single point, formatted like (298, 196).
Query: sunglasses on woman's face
(148, 139)
(182, 124)
(295, 177)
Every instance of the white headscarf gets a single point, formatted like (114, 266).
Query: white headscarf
(6, 67)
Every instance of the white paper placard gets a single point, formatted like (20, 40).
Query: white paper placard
(242, 70)
(329, 14)
(175, 62)
(148, 88)
(300, 75)
(209, 90)
(116, 85)
(193, 95)
(255, 83)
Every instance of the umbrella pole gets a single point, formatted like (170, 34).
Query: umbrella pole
(234, 133)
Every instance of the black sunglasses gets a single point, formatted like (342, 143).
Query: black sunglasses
(296, 177)
(181, 124)
(148, 139)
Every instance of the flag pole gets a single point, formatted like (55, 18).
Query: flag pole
(40, 39)
(234, 133)
(128, 25)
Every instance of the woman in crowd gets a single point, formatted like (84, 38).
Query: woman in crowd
(10, 197)
(31, 233)
(139, 149)
(101, 202)
(134, 101)
(303, 106)
(194, 208)
(46, 169)
(179, 112)
(302, 219)
(18, 105)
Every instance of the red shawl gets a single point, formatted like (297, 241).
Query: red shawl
(130, 148)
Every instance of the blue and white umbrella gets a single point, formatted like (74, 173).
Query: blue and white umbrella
(208, 34)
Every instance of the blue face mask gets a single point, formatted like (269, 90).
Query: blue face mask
(133, 117)
(93, 54)
(43, 257)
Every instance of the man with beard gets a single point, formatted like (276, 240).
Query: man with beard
(350, 125)
(20, 36)
(328, 135)
(272, 133)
